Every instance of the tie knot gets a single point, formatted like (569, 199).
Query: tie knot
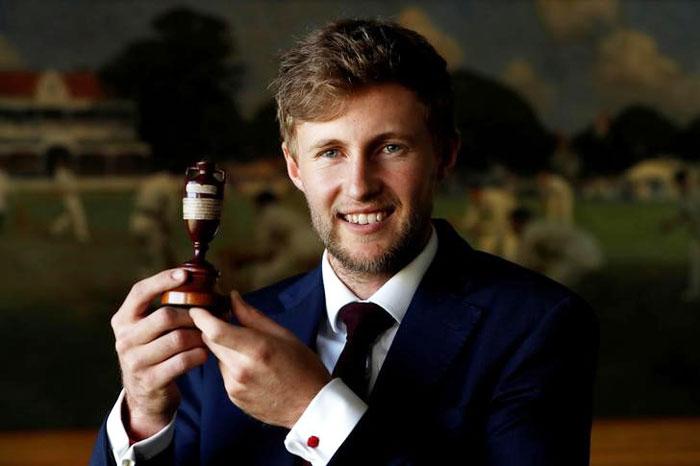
(365, 321)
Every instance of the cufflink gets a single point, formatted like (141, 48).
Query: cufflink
(313, 441)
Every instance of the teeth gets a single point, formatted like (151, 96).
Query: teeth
(364, 219)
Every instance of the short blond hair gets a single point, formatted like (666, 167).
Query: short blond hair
(346, 56)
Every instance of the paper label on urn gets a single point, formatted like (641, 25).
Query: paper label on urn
(201, 209)
(194, 187)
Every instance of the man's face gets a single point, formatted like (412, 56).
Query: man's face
(369, 177)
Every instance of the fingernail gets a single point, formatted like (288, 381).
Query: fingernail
(235, 294)
(178, 274)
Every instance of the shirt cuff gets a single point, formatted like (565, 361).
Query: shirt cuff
(143, 449)
(326, 423)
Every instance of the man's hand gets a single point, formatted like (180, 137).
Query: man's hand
(267, 371)
(153, 350)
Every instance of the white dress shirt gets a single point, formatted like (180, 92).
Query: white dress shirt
(335, 410)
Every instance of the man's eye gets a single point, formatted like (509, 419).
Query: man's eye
(329, 154)
(391, 148)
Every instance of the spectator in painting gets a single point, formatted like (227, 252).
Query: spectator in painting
(4, 190)
(557, 198)
(156, 210)
(688, 215)
(73, 216)
(562, 252)
(487, 218)
(286, 242)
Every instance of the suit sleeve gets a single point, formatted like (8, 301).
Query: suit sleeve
(184, 449)
(540, 413)
(102, 451)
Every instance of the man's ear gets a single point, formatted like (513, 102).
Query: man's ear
(292, 167)
(449, 158)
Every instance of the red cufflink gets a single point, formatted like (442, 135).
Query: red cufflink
(313, 441)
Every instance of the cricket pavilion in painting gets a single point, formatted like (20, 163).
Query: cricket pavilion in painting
(47, 116)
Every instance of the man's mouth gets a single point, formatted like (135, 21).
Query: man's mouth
(366, 218)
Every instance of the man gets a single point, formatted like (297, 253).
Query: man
(688, 215)
(488, 219)
(285, 241)
(557, 198)
(560, 251)
(73, 214)
(4, 189)
(477, 361)
(156, 210)
(284, 244)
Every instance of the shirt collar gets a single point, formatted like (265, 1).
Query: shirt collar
(394, 296)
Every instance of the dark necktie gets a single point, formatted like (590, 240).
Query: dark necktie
(364, 323)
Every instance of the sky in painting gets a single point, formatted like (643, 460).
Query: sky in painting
(572, 59)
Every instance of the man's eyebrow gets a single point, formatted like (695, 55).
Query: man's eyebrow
(375, 140)
(378, 139)
(408, 137)
(325, 143)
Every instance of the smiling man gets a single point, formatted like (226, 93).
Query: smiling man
(405, 346)
(369, 176)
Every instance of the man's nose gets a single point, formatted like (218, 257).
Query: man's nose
(362, 179)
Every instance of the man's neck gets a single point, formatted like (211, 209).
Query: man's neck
(364, 285)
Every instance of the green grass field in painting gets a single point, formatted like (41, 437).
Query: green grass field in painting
(60, 369)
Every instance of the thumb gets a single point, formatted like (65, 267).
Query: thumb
(250, 317)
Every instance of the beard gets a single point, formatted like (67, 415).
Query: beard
(411, 238)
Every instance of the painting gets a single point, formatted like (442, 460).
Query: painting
(580, 147)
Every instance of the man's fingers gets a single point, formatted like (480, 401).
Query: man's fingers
(235, 389)
(163, 348)
(145, 291)
(250, 317)
(221, 336)
(215, 329)
(164, 373)
(225, 342)
(161, 321)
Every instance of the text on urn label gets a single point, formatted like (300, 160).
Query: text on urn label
(201, 209)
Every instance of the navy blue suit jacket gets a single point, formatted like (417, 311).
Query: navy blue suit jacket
(491, 365)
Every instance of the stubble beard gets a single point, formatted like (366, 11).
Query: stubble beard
(410, 240)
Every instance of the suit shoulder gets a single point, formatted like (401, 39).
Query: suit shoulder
(491, 282)
(292, 288)
(505, 288)
(517, 302)
(508, 276)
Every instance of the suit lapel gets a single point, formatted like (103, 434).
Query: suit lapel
(436, 325)
(430, 336)
(304, 305)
